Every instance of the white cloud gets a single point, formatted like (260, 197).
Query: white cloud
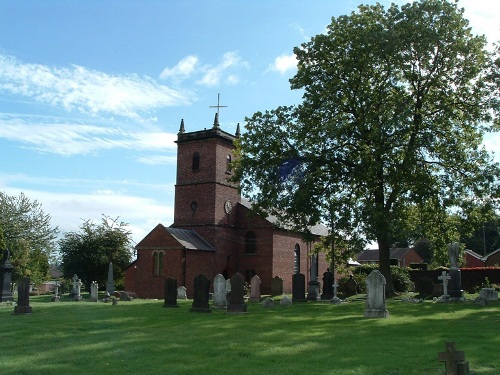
(284, 63)
(62, 138)
(87, 91)
(184, 69)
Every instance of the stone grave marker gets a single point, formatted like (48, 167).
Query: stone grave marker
(220, 292)
(285, 301)
(78, 288)
(351, 287)
(489, 294)
(237, 295)
(56, 297)
(255, 289)
(181, 292)
(327, 286)
(375, 296)
(170, 293)
(23, 297)
(444, 278)
(201, 294)
(125, 296)
(455, 363)
(228, 290)
(110, 286)
(268, 302)
(6, 268)
(455, 287)
(93, 291)
(299, 288)
(335, 299)
(277, 286)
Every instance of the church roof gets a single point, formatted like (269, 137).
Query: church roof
(189, 239)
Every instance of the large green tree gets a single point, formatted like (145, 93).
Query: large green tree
(87, 253)
(28, 235)
(395, 105)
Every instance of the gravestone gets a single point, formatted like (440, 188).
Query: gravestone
(255, 289)
(181, 292)
(6, 268)
(268, 302)
(299, 288)
(23, 297)
(93, 291)
(110, 286)
(327, 286)
(455, 363)
(351, 287)
(285, 301)
(201, 294)
(455, 287)
(335, 299)
(228, 290)
(237, 295)
(220, 292)
(125, 296)
(78, 288)
(56, 297)
(444, 278)
(277, 286)
(375, 296)
(489, 294)
(314, 285)
(170, 293)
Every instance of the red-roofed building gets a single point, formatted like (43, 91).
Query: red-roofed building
(402, 257)
(474, 260)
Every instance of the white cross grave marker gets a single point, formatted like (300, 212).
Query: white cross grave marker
(444, 277)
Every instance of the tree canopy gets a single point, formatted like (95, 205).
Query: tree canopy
(87, 253)
(395, 105)
(28, 235)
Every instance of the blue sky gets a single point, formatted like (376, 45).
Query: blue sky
(92, 92)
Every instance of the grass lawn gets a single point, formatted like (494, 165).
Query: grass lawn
(143, 337)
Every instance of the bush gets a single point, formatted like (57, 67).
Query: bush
(401, 279)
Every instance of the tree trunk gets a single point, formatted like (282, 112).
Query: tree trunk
(385, 264)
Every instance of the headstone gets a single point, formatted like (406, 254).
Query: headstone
(277, 286)
(6, 268)
(75, 281)
(228, 290)
(110, 286)
(455, 363)
(56, 297)
(94, 291)
(23, 297)
(286, 301)
(237, 295)
(313, 285)
(489, 294)
(171, 293)
(351, 287)
(268, 302)
(444, 278)
(335, 299)
(220, 292)
(455, 287)
(181, 292)
(201, 294)
(124, 296)
(299, 287)
(375, 296)
(255, 289)
(327, 286)
(78, 289)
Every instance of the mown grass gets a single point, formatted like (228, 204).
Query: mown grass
(143, 337)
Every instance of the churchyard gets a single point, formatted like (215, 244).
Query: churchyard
(145, 337)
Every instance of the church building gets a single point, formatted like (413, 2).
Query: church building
(214, 230)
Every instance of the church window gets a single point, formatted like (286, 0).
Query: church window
(196, 162)
(194, 207)
(158, 262)
(296, 259)
(250, 243)
(228, 164)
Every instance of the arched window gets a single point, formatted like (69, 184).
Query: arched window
(158, 262)
(196, 162)
(250, 243)
(228, 163)
(296, 259)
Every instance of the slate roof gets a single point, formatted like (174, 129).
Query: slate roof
(371, 255)
(189, 239)
(483, 258)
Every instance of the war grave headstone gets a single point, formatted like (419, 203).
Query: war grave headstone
(237, 295)
(94, 291)
(23, 297)
(170, 293)
(78, 288)
(335, 299)
(110, 286)
(444, 278)
(220, 292)
(255, 289)
(181, 292)
(455, 363)
(299, 288)
(455, 286)
(375, 296)
(327, 286)
(276, 286)
(201, 294)
(314, 285)
(6, 268)
(351, 287)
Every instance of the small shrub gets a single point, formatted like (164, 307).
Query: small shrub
(401, 279)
